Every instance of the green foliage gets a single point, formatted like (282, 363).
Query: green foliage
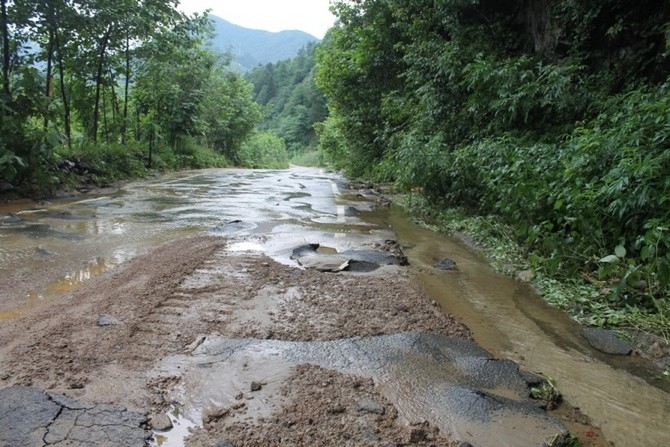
(547, 393)
(264, 150)
(291, 102)
(312, 158)
(128, 79)
(549, 118)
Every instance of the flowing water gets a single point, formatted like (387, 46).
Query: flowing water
(80, 238)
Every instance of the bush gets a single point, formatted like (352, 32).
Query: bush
(264, 150)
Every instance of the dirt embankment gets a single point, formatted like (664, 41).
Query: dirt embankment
(163, 302)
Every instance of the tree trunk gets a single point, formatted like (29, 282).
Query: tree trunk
(49, 74)
(6, 57)
(98, 83)
(63, 91)
(126, 92)
(541, 28)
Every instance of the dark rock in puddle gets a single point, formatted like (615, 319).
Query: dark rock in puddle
(44, 231)
(360, 266)
(30, 417)
(606, 341)
(480, 399)
(10, 219)
(234, 226)
(43, 251)
(65, 215)
(350, 211)
(304, 250)
(375, 256)
(108, 320)
(445, 264)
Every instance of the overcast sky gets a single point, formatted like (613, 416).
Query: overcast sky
(311, 16)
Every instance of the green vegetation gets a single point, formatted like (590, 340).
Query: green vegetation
(291, 102)
(106, 90)
(547, 122)
(547, 393)
(264, 150)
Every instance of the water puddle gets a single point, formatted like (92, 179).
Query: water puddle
(175, 436)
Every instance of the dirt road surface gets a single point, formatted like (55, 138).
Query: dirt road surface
(100, 343)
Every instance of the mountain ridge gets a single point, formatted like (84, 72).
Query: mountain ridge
(251, 47)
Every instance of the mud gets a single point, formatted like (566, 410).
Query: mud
(167, 299)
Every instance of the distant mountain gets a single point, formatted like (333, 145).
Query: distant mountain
(251, 47)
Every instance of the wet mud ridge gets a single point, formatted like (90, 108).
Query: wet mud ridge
(251, 352)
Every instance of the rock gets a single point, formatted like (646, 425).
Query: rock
(525, 276)
(350, 211)
(5, 186)
(214, 414)
(606, 341)
(369, 436)
(255, 386)
(234, 226)
(304, 250)
(108, 320)
(10, 219)
(44, 252)
(445, 264)
(161, 422)
(4, 376)
(369, 406)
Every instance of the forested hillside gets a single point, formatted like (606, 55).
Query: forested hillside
(108, 89)
(291, 102)
(552, 116)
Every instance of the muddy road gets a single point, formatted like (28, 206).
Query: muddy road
(243, 308)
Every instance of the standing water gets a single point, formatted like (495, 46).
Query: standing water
(49, 248)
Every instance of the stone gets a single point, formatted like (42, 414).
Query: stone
(525, 276)
(161, 422)
(369, 406)
(606, 341)
(107, 320)
(445, 264)
(255, 386)
(5, 187)
(350, 211)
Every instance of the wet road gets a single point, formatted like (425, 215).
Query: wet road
(277, 210)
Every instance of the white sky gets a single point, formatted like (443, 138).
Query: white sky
(311, 16)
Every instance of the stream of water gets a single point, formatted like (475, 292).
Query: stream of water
(84, 236)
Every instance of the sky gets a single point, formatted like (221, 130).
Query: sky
(311, 16)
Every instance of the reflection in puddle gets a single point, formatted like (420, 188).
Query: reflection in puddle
(245, 246)
(68, 283)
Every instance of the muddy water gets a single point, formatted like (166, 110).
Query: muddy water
(507, 319)
(49, 248)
